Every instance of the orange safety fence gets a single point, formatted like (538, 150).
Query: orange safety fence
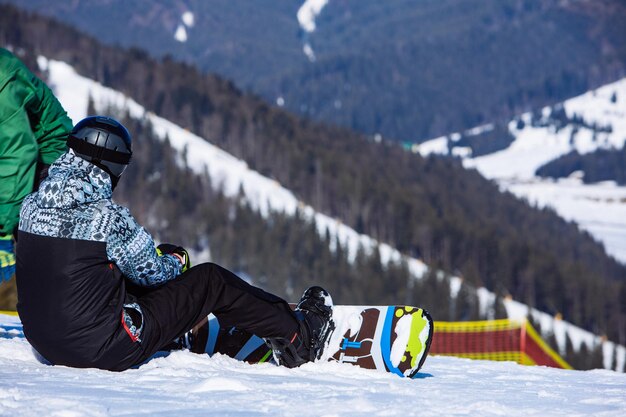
(497, 340)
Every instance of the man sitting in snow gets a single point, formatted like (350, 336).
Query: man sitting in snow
(82, 258)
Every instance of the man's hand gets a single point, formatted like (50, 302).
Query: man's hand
(177, 251)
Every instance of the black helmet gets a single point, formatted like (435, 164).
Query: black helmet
(104, 142)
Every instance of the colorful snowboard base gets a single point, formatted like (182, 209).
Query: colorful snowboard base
(393, 339)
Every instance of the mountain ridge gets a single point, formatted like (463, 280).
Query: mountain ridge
(439, 65)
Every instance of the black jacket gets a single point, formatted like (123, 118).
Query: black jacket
(76, 250)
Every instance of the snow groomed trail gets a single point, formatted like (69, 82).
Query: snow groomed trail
(187, 384)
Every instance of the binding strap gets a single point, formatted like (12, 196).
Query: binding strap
(98, 152)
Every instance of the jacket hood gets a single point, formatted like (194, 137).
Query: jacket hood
(72, 181)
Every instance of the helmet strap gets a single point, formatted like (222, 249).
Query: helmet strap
(98, 152)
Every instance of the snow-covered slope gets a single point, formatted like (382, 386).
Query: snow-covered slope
(307, 13)
(534, 146)
(186, 384)
(266, 194)
(186, 22)
(597, 121)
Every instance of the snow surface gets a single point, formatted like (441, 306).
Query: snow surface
(187, 20)
(600, 209)
(309, 52)
(181, 34)
(187, 384)
(307, 13)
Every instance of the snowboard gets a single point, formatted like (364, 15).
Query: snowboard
(393, 339)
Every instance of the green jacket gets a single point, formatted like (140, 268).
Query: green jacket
(33, 128)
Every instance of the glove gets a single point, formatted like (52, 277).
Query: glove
(7, 258)
(178, 251)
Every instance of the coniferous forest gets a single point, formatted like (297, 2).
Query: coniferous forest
(601, 165)
(432, 208)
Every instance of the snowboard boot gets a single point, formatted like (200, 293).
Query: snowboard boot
(194, 340)
(184, 342)
(314, 313)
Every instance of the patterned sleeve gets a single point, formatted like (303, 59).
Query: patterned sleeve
(132, 249)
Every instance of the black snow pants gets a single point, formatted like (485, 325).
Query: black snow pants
(169, 311)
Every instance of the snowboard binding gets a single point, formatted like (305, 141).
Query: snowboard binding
(314, 313)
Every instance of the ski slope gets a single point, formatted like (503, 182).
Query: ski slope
(187, 384)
